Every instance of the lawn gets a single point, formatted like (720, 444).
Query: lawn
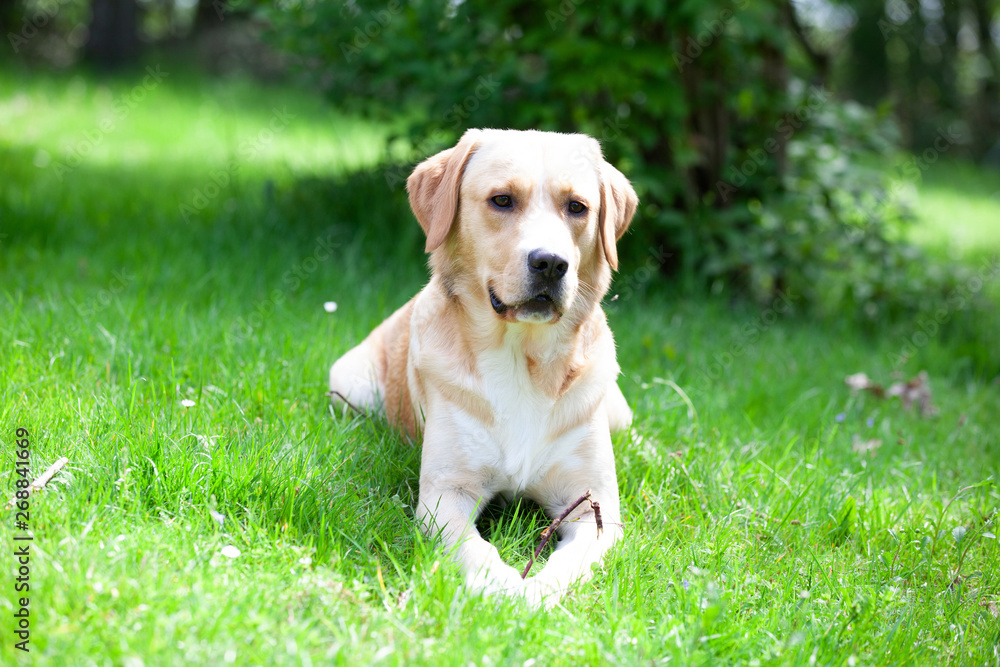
(164, 264)
(960, 211)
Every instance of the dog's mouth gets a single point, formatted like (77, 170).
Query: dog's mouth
(498, 306)
(538, 309)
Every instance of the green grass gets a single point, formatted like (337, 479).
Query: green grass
(756, 534)
(959, 211)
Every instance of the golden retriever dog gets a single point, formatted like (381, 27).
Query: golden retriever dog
(504, 363)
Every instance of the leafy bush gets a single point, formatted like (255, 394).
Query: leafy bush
(750, 180)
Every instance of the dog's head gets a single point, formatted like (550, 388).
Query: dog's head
(523, 223)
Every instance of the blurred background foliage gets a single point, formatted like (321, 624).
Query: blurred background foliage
(757, 134)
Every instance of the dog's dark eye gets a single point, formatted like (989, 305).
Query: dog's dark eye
(576, 207)
(503, 201)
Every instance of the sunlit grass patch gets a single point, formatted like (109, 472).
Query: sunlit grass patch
(959, 210)
(215, 511)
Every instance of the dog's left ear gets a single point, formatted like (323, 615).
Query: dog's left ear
(433, 189)
(618, 204)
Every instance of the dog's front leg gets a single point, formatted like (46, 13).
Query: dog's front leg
(579, 548)
(451, 513)
(581, 542)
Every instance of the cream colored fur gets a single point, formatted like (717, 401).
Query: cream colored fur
(518, 398)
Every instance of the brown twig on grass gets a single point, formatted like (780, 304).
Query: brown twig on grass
(41, 481)
(597, 517)
(333, 393)
(548, 532)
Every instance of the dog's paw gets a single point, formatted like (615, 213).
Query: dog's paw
(503, 580)
(543, 592)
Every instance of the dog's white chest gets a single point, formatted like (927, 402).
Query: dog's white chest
(518, 445)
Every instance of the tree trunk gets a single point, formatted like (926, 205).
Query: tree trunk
(209, 14)
(10, 19)
(869, 65)
(114, 33)
(820, 60)
(985, 116)
(776, 77)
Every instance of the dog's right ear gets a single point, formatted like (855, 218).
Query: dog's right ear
(433, 189)
(618, 204)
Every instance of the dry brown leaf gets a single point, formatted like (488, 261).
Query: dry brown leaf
(41, 481)
(860, 381)
(916, 390)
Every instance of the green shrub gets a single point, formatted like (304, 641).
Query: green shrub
(750, 180)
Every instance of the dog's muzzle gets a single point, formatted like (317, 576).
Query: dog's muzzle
(540, 308)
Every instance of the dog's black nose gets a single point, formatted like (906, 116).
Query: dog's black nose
(547, 264)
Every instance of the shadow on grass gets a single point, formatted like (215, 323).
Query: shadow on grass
(167, 207)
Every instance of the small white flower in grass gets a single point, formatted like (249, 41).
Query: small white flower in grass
(330, 306)
(187, 403)
(219, 518)
(229, 551)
